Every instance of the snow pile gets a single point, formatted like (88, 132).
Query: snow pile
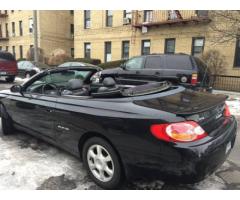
(234, 106)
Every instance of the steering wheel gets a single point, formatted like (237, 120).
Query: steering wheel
(52, 85)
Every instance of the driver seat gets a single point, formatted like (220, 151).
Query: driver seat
(75, 87)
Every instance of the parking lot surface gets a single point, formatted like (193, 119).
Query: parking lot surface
(28, 163)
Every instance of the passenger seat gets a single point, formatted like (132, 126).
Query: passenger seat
(75, 87)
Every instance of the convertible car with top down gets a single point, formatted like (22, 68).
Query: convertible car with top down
(122, 132)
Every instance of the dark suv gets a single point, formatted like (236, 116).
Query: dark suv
(8, 66)
(181, 69)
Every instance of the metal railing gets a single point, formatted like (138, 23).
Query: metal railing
(228, 83)
(165, 16)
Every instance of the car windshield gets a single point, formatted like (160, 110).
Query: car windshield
(75, 64)
(41, 65)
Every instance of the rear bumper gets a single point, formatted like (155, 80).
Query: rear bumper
(185, 163)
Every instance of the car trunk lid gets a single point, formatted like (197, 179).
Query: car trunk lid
(204, 108)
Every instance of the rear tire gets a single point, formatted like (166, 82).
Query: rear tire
(7, 124)
(104, 168)
(10, 79)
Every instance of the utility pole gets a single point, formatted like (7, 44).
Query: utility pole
(35, 32)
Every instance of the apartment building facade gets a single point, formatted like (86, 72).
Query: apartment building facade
(116, 34)
(55, 31)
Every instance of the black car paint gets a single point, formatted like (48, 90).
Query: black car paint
(125, 124)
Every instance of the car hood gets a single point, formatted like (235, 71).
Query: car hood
(186, 102)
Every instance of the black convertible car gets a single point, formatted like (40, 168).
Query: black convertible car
(123, 131)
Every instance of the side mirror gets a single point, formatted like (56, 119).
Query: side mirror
(16, 89)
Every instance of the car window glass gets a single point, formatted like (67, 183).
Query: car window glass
(60, 79)
(20, 65)
(178, 62)
(135, 63)
(28, 65)
(154, 62)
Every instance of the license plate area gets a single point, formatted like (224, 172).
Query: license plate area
(3, 73)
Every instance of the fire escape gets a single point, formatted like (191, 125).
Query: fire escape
(145, 19)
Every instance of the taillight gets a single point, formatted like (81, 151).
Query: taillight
(187, 131)
(194, 79)
(227, 112)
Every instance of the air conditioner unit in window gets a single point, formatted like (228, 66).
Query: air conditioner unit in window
(126, 21)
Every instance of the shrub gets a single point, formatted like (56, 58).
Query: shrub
(215, 61)
(112, 64)
(92, 61)
(21, 59)
(58, 56)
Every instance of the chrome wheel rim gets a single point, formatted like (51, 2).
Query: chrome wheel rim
(100, 163)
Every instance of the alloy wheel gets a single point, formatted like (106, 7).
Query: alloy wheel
(100, 163)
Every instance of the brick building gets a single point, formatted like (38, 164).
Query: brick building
(55, 31)
(116, 34)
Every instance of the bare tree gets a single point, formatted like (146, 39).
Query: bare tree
(215, 61)
(226, 25)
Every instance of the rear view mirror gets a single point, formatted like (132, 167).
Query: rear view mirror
(16, 89)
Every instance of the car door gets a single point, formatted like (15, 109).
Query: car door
(153, 69)
(132, 69)
(33, 109)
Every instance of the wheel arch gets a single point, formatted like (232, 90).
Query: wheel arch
(89, 135)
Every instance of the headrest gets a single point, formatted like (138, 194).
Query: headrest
(109, 82)
(74, 84)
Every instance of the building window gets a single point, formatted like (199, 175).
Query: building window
(13, 29)
(201, 13)
(87, 50)
(72, 30)
(30, 25)
(13, 51)
(6, 26)
(72, 52)
(12, 11)
(146, 44)
(170, 46)
(127, 14)
(6, 12)
(21, 51)
(108, 52)
(6, 48)
(87, 19)
(237, 54)
(148, 15)
(125, 49)
(197, 46)
(109, 18)
(0, 48)
(20, 28)
(71, 12)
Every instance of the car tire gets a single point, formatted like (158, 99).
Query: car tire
(7, 124)
(10, 79)
(106, 160)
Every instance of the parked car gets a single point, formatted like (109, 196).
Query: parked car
(120, 132)
(26, 69)
(75, 64)
(182, 69)
(8, 66)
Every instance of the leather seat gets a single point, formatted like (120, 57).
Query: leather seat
(109, 84)
(75, 87)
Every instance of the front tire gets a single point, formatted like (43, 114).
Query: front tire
(7, 124)
(102, 163)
